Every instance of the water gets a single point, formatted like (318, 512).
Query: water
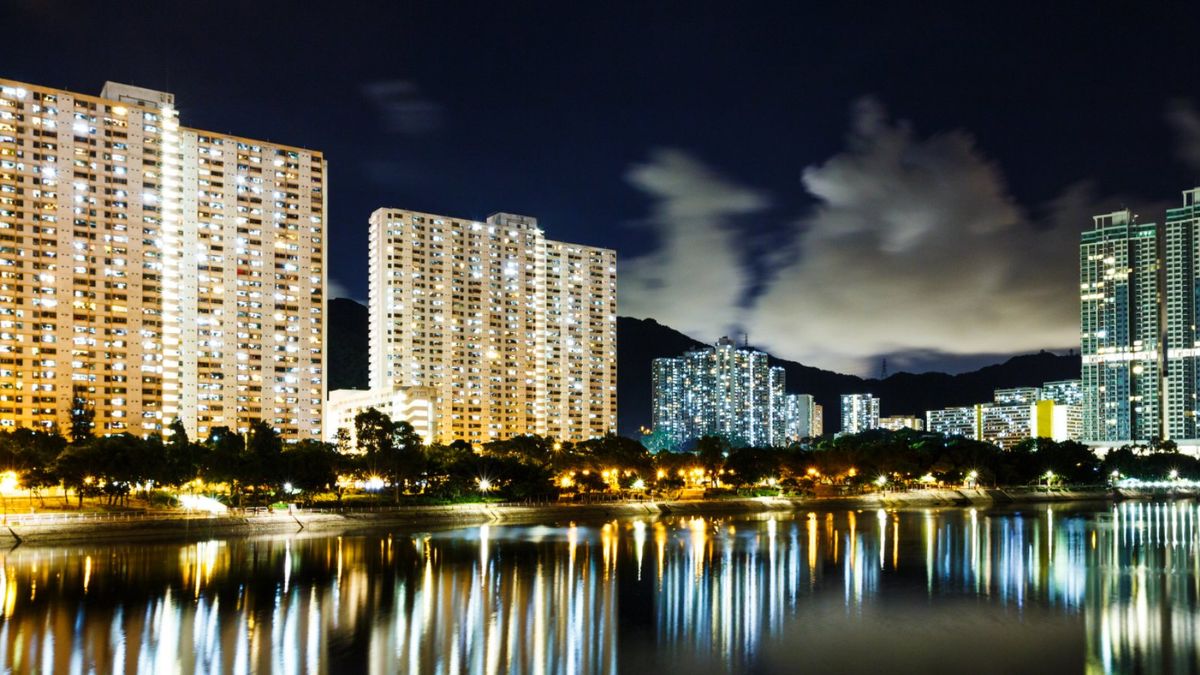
(1040, 589)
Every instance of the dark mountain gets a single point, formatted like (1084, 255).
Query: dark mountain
(640, 341)
(346, 334)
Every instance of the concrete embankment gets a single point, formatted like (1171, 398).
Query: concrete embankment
(53, 528)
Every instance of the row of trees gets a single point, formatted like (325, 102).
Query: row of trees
(257, 465)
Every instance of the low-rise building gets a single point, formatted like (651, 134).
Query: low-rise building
(414, 405)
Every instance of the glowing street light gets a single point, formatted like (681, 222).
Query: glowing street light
(1174, 474)
(484, 485)
(881, 480)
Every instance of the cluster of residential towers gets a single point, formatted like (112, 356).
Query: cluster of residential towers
(160, 272)
(152, 272)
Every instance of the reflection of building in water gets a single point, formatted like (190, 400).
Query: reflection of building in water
(381, 605)
(545, 600)
(1141, 612)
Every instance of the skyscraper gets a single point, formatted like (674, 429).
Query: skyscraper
(720, 391)
(802, 417)
(512, 333)
(156, 271)
(860, 412)
(1120, 328)
(1182, 299)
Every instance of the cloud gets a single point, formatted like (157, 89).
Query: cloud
(916, 245)
(336, 289)
(695, 280)
(1185, 120)
(403, 108)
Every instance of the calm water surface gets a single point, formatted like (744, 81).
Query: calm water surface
(1041, 589)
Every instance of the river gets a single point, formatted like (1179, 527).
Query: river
(1062, 588)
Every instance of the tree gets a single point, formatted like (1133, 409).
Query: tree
(712, 451)
(263, 457)
(182, 458)
(407, 455)
(310, 466)
(31, 454)
(83, 415)
(222, 463)
(374, 431)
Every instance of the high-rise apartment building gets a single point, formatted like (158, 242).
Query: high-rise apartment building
(860, 412)
(512, 333)
(1121, 329)
(720, 391)
(157, 271)
(1182, 280)
(801, 417)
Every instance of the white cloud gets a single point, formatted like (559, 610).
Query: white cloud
(335, 289)
(916, 245)
(694, 280)
(1185, 120)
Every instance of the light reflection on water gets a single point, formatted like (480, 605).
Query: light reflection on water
(1108, 590)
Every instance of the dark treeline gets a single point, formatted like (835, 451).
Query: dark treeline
(389, 458)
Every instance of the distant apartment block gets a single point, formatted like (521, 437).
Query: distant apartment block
(1063, 392)
(724, 391)
(1015, 415)
(898, 422)
(511, 332)
(802, 417)
(158, 271)
(962, 421)
(860, 412)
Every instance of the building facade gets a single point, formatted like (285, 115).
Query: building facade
(721, 391)
(860, 412)
(898, 422)
(1182, 252)
(413, 405)
(962, 421)
(514, 334)
(801, 418)
(156, 271)
(1120, 329)
(1063, 392)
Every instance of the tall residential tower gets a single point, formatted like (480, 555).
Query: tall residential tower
(721, 391)
(1120, 329)
(511, 333)
(156, 271)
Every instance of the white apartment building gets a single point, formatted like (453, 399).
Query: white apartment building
(860, 412)
(157, 271)
(513, 333)
(413, 405)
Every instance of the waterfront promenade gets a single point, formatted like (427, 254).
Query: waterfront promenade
(66, 527)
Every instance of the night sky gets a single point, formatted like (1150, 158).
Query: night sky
(841, 183)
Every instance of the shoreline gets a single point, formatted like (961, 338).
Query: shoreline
(62, 529)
